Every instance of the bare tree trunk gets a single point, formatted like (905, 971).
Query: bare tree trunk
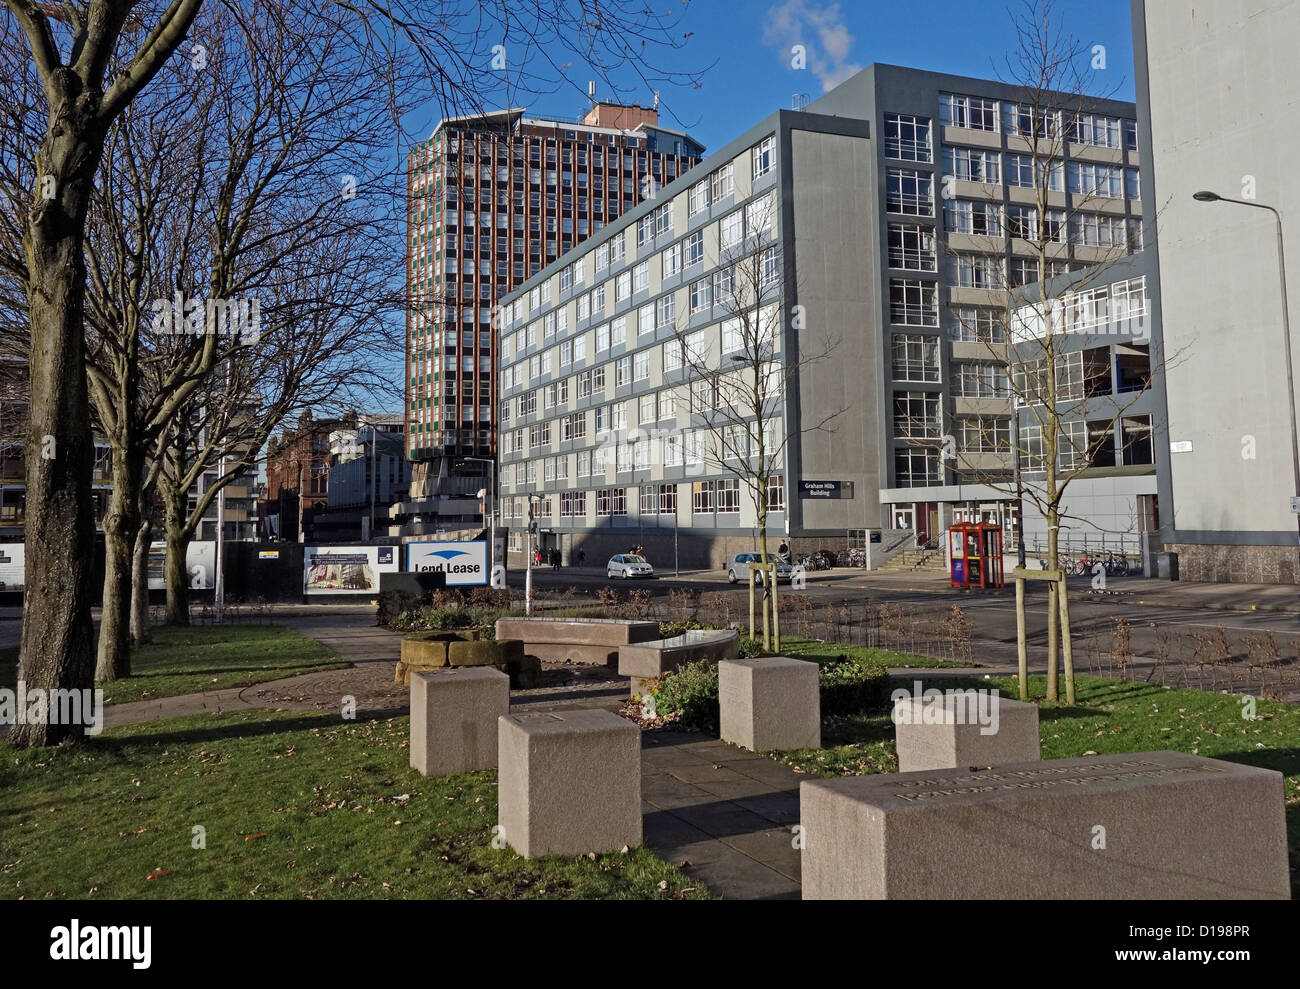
(177, 537)
(121, 523)
(140, 631)
(57, 634)
(1053, 608)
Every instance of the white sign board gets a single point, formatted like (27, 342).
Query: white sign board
(200, 564)
(1180, 446)
(464, 563)
(346, 569)
(12, 557)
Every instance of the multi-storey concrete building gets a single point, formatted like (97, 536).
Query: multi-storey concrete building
(492, 199)
(888, 219)
(1217, 86)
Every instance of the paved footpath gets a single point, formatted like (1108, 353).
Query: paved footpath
(719, 813)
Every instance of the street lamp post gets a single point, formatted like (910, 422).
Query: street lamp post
(533, 501)
(1205, 196)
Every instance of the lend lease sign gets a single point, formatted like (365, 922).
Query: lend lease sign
(463, 562)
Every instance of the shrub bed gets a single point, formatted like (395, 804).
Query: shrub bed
(689, 695)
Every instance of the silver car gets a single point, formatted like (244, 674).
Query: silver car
(738, 568)
(628, 565)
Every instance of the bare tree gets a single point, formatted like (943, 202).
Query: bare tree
(81, 64)
(737, 382)
(323, 336)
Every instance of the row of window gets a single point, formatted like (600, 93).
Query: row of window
(613, 427)
(1043, 123)
(721, 496)
(910, 192)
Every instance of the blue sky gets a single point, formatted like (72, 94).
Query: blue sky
(750, 42)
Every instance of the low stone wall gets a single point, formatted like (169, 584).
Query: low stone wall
(1236, 564)
(582, 640)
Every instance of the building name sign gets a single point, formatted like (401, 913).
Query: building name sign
(826, 489)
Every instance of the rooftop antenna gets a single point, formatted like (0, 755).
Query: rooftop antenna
(656, 99)
(591, 91)
(799, 102)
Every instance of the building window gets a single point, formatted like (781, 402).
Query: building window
(702, 497)
(917, 467)
(911, 247)
(907, 138)
(668, 499)
(972, 165)
(722, 183)
(671, 260)
(916, 415)
(763, 156)
(977, 326)
(970, 112)
(728, 496)
(698, 200)
(731, 230)
(983, 434)
(1088, 179)
(603, 502)
(1022, 171)
(979, 379)
(1137, 439)
(775, 493)
(1096, 130)
(618, 500)
(963, 216)
(694, 248)
(916, 358)
(913, 303)
(909, 192)
(701, 295)
(1023, 120)
(975, 271)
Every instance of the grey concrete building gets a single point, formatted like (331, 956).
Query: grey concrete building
(1219, 95)
(885, 220)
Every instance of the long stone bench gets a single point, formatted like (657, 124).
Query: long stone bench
(642, 661)
(1143, 825)
(582, 640)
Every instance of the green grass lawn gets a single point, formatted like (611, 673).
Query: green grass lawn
(814, 649)
(206, 657)
(1108, 717)
(294, 805)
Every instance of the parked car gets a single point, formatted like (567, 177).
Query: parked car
(738, 568)
(628, 565)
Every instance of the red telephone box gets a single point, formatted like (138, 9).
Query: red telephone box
(975, 554)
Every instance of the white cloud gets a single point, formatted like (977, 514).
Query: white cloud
(822, 32)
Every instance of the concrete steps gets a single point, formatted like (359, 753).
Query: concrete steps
(915, 561)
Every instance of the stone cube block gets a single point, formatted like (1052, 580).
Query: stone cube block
(771, 704)
(569, 782)
(454, 714)
(963, 729)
